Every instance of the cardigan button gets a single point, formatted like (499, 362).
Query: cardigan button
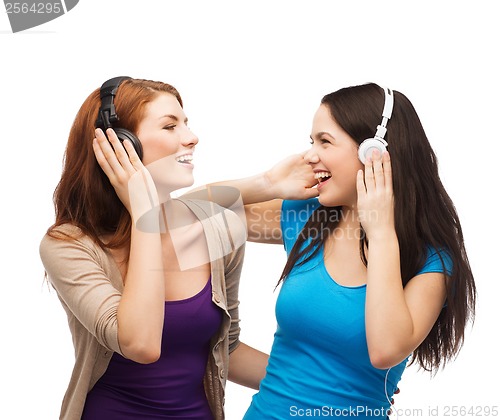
(216, 297)
(222, 373)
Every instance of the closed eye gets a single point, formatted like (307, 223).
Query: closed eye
(321, 141)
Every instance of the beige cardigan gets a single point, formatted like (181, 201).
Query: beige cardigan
(89, 286)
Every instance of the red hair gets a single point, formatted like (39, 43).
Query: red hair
(84, 196)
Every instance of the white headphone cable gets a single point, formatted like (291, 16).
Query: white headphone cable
(387, 395)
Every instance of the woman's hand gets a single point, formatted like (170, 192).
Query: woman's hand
(375, 196)
(292, 179)
(129, 177)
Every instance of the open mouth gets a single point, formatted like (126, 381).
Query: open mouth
(184, 159)
(322, 177)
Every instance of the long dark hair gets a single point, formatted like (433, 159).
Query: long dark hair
(424, 213)
(84, 196)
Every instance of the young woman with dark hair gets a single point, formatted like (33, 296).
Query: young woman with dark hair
(377, 272)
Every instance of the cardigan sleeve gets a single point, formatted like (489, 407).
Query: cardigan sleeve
(233, 266)
(76, 270)
(232, 274)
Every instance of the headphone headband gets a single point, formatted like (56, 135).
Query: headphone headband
(107, 113)
(377, 142)
(389, 103)
(386, 114)
(106, 116)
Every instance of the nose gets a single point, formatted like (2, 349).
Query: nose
(189, 139)
(311, 156)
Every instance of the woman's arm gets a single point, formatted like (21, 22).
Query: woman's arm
(397, 319)
(262, 194)
(247, 366)
(141, 309)
(73, 264)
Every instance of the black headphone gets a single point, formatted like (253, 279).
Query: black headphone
(377, 142)
(107, 113)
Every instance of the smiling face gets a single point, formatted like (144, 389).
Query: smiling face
(168, 143)
(333, 158)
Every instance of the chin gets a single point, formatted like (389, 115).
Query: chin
(185, 183)
(327, 200)
(169, 186)
(336, 197)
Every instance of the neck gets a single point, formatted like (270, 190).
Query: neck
(348, 227)
(349, 217)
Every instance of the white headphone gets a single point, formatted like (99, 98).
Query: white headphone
(369, 145)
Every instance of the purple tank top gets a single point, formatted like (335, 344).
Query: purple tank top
(172, 387)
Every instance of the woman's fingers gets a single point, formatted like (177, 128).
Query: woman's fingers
(133, 157)
(100, 155)
(360, 185)
(375, 197)
(118, 159)
(386, 162)
(107, 148)
(119, 152)
(378, 174)
(376, 182)
(369, 176)
(378, 170)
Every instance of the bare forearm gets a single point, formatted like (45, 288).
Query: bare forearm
(292, 178)
(388, 320)
(141, 309)
(247, 366)
(253, 189)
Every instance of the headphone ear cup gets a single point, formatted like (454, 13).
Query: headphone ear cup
(123, 135)
(368, 146)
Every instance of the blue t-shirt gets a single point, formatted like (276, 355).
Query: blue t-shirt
(319, 364)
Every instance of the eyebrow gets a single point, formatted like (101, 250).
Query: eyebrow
(322, 133)
(173, 117)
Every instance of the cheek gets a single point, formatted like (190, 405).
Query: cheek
(156, 148)
(345, 172)
(346, 163)
(347, 179)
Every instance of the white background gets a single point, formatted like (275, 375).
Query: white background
(251, 74)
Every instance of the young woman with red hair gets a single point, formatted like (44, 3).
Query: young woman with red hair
(149, 283)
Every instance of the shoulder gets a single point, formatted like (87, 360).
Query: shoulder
(66, 234)
(298, 212)
(437, 261)
(67, 241)
(295, 213)
(61, 235)
(304, 206)
(70, 258)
